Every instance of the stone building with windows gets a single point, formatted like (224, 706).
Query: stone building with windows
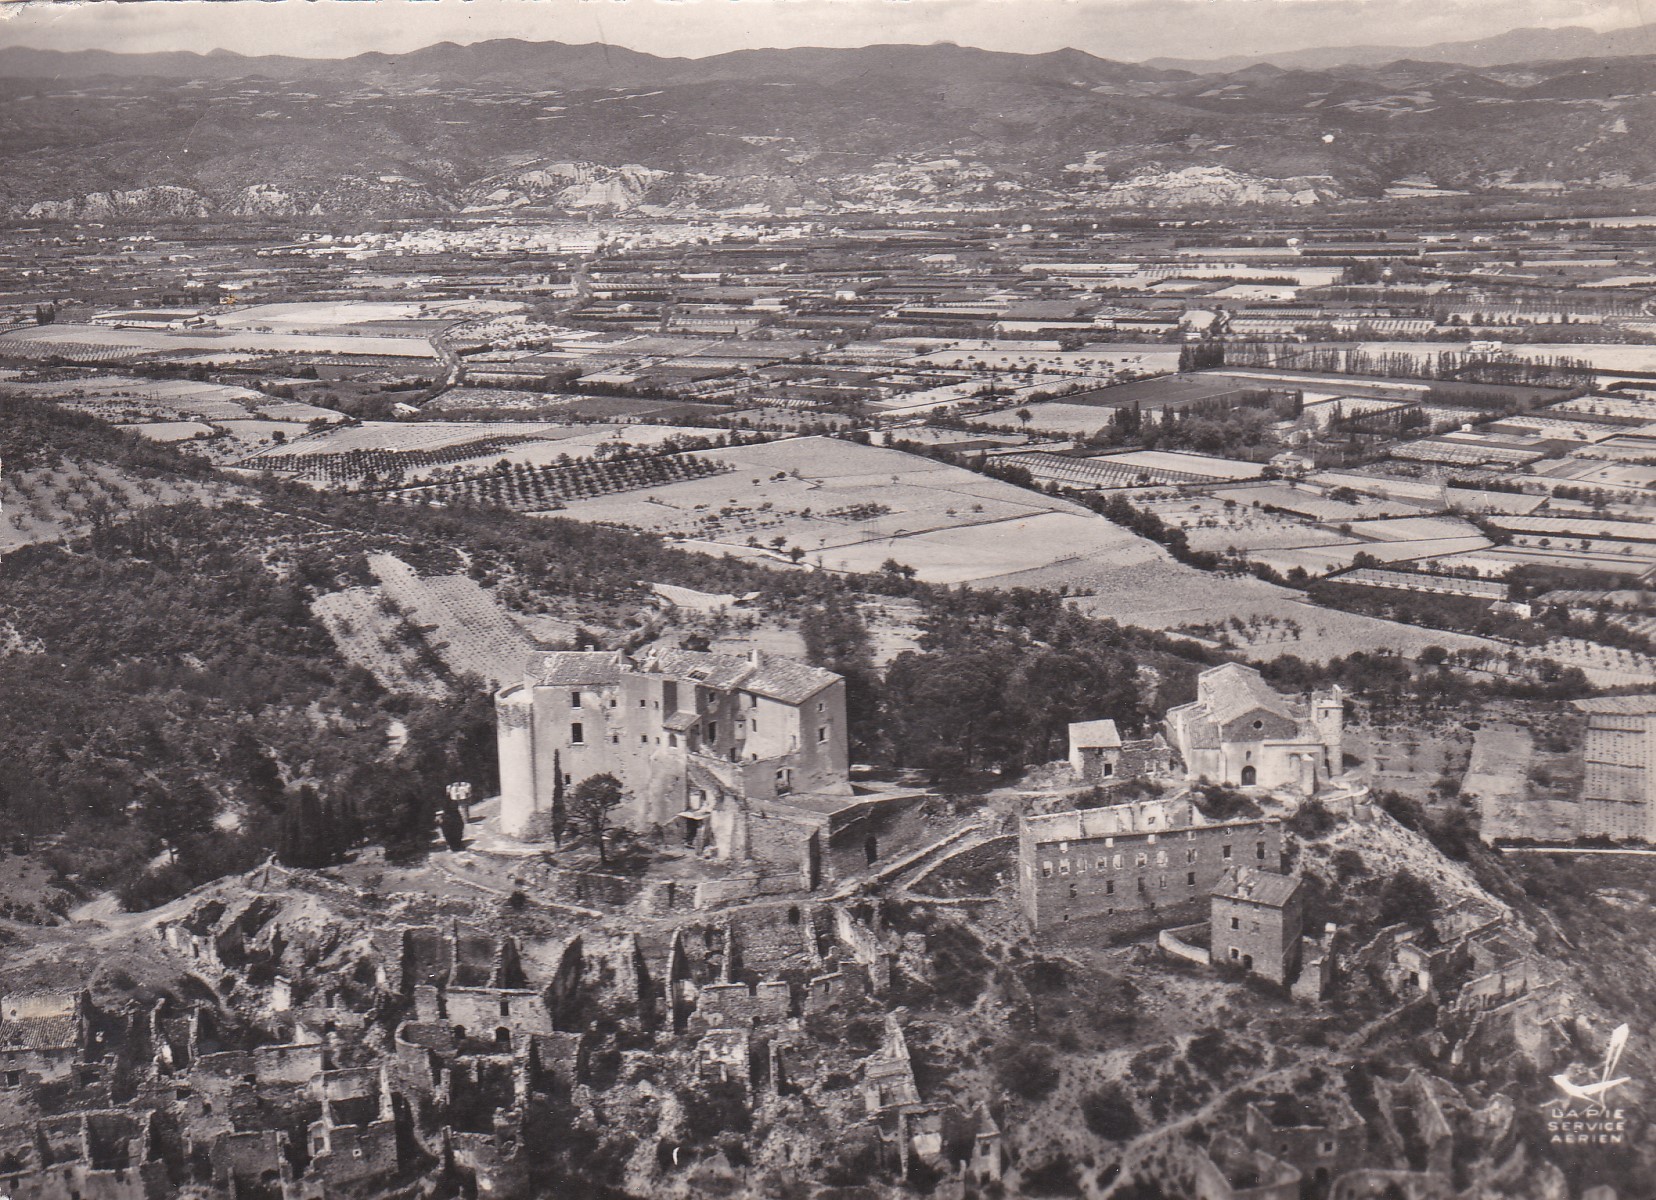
(1099, 755)
(1129, 867)
(1257, 918)
(696, 739)
(1242, 732)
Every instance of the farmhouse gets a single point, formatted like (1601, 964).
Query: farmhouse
(1240, 731)
(1134, 866)
(703, 742)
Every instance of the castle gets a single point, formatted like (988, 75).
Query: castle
(1240, 731)
(701, 743)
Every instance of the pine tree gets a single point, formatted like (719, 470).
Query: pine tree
(558, 814)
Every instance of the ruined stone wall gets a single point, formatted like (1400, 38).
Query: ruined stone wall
(358, 1152)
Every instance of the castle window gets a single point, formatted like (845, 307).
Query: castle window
(822, 706)
(1109, 843)
(1109, 769)
(1161, 882)
(1109, 887)
(1141, 859)
(753, 701)
(822, 734)
(612, 701)
(1224, 852)
(641, 702)
(712, 731)
(1046, 870)
(1259, 850)
(1161, 858)
(577, 736)
(1235, 953)
(1115, 861)
(672, 739)
(505, 1006)
(1152, 837)
(1236, 922)
(643, 739)
(1063, 866)
(1259, 724)
(615, 739)
(1190, 855)
(1100, 862)
(1190, 878)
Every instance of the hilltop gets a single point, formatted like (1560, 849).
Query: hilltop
(506, 125)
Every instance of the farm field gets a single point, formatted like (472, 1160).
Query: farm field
(95, 343)
(1053, 416)
(1320, 560)
(1168, 595)
(47, 503)
(169, 431)
(813, 494)
(325, 316)
(1102, 357)
(129, 400)
(1212, 526)
(1496, 561)
(1317, 504)
(1605, 356)
(1202, 466)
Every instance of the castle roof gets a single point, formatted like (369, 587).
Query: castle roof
(1259, 887)
(577, 668)
(767, 675)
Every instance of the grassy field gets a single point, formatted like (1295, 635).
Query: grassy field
(97, 343)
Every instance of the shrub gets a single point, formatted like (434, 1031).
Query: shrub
(1027, 1071)
(1311, 820)
(1109, 1113)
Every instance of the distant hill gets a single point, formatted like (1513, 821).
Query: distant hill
(1514, 46)
(511, 125)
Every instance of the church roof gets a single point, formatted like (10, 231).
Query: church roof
(1234, 690)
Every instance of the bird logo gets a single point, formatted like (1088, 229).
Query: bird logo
(1594, 1093)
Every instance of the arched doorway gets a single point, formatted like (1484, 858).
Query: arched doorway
(1249, 776)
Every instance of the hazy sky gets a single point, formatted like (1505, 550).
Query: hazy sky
(1120, 29)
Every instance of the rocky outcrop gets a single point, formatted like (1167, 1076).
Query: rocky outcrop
(145, 202)
(1192, 187)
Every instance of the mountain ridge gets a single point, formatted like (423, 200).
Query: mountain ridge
(1503, 49)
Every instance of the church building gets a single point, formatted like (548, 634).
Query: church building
(1241, 732)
